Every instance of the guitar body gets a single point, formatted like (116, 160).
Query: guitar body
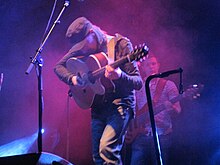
(134, 129)
(137, 125)
(84, 95)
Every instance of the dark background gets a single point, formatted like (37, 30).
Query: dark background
(181, 33)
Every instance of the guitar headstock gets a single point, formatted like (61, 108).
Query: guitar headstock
(139, 52)
(193, 91)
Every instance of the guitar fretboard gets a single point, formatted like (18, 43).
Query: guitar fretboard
(99, 72)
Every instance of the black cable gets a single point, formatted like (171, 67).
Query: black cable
(48, 23)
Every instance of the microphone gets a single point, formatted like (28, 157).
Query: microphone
(66, 3)
(1, 81)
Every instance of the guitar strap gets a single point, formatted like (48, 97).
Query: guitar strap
(109, 85)
(160, 86)
(111, 50)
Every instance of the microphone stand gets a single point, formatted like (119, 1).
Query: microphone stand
(151, 112)
(38, 62)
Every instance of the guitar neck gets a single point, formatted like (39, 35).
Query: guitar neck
(143, 112)
(99, 72)
(136, 55)
(177, 98)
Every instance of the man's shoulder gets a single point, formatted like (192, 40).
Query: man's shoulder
(170, 82)
(122, 41)
(119, 37)
(170, 85)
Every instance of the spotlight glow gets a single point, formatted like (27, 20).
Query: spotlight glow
(17, 147)
(42, 130)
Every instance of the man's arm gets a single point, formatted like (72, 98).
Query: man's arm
(130, 73)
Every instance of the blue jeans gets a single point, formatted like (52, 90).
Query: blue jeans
(143, 150)
(108, 130)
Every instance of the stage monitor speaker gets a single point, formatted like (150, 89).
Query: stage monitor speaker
(43, 158)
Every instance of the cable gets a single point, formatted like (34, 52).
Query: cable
(48, 23)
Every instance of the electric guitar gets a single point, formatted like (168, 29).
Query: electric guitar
(90, 72)
(137, 125)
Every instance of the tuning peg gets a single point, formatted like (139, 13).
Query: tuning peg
(141, 60)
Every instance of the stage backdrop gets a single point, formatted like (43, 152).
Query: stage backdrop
(181, 33)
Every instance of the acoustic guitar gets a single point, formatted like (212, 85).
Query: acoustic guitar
(92, 69)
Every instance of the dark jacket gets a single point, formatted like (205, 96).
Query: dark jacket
(125, 86)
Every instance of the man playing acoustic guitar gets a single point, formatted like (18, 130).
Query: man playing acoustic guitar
(103, 75)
